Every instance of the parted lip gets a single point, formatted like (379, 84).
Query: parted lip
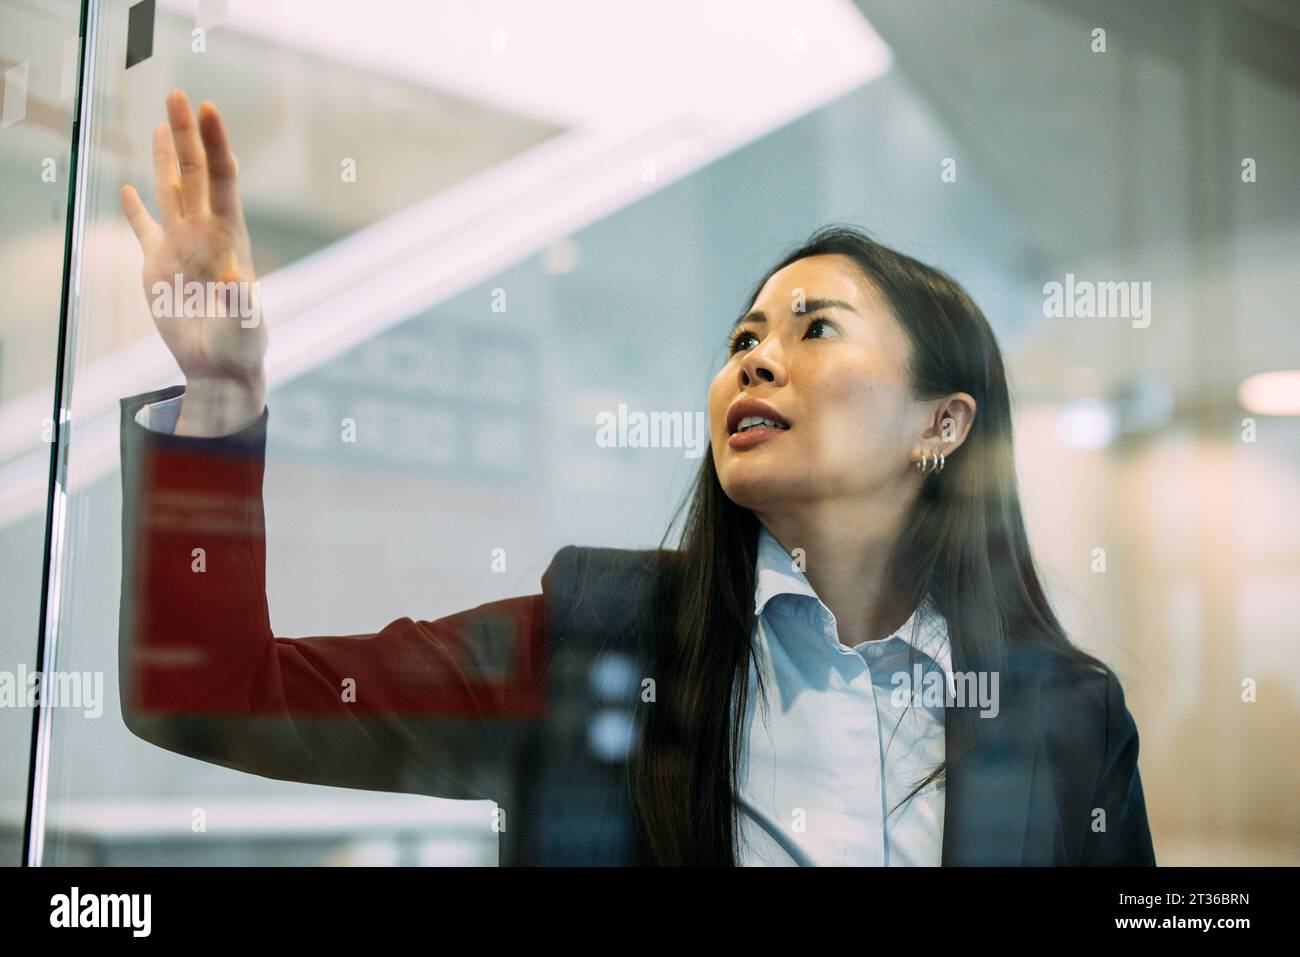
(742, 408)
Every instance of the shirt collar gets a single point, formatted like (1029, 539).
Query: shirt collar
(776, 573)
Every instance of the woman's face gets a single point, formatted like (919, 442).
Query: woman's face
(820, 347)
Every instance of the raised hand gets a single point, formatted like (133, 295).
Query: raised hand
(202, 238)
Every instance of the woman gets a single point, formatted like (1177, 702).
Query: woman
(898, 692)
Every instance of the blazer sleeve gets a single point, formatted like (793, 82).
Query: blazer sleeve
(1126, 840)
(430, 707)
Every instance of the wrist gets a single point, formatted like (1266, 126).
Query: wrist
(221, 406)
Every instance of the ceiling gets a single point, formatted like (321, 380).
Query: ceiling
(1126, 165)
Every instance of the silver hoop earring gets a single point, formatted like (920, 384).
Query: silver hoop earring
(931, 462)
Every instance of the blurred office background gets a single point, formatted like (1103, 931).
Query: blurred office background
(558, 208)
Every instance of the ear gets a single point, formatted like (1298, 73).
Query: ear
(953, 418)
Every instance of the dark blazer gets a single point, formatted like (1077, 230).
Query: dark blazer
(524, 701)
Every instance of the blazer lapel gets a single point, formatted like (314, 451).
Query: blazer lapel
(986, 802)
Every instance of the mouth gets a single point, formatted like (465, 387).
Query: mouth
(751, 415)
(751, 423)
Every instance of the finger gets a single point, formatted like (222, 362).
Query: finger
(142, 224)
(166, 177)
(189, 153)
(223, 169)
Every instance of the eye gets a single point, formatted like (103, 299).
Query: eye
(823, 324)
(740, 336)
(817, 324)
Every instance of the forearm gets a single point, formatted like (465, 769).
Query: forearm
(424, 706)
(194, 624)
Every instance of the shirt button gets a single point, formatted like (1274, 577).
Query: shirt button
(874, 650)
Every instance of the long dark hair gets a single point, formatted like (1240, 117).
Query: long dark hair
(964, 548)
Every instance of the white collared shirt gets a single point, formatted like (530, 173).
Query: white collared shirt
(841, 740)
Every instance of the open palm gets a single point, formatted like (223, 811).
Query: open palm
(202, 238)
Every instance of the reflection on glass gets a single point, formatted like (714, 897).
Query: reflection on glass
(461, 259)
(38, 60)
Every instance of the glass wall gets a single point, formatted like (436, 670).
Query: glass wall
(39, 55)
(468, 257)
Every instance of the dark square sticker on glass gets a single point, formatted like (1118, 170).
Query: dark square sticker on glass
(139, 33)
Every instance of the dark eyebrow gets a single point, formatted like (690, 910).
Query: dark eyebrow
(811, 305)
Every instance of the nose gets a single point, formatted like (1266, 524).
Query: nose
(762, 363)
